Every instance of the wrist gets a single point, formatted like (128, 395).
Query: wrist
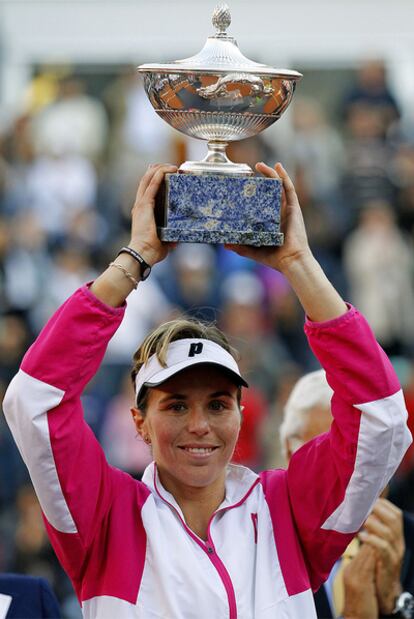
(129, 263)
(143, 266)
(145, 250)
(403, 607)
(300, 262)
(388, 602)
(319, 299)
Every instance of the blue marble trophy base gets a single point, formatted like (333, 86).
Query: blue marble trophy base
(209, 208)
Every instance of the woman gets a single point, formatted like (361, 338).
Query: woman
(200, 538)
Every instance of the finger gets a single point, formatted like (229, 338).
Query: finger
(266, 170)
(288, 185)
(392, 520)
(374, 525)
(156, 180)
(143, 184)
(146, 179)
(382, 546)
(388, 512)
(362, 563)
(263, 168)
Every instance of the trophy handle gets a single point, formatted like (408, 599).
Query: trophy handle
(220, 90)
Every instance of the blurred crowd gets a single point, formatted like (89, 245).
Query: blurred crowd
(69, 168)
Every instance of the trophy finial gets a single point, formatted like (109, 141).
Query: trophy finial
(221, 19)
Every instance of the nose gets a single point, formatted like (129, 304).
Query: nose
(198, 421)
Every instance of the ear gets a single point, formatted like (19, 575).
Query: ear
(138, 419)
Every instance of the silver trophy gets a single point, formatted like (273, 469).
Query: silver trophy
(219, 96)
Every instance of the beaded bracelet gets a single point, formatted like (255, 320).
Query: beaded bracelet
(126, 273)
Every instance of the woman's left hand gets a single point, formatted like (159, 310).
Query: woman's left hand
(294, 258)
(296, 242)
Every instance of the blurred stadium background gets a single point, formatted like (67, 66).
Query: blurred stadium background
(76, 134)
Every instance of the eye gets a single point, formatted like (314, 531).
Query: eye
(217, 405)
(177, 407)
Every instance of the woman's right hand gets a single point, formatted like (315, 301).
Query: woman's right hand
(144, 237)
(116, 282)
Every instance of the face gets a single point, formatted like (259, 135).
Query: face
(317, 421)
(193, 422)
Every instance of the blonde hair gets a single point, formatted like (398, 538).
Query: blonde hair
(158, 341)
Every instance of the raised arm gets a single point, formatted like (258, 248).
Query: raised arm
(113, 286)
(333, 481)
(74, 483)
(294, 258)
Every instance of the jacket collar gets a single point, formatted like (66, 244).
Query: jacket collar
(240, 481)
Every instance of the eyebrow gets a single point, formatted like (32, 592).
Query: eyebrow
(173, 396)
(219, 394)
(181, 396)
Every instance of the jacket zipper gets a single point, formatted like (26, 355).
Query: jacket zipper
(254, 521)
(210, 550)
(224, 575)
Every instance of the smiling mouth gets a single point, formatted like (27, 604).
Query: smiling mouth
(199, 451)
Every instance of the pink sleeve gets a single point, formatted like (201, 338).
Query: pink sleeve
(72, 479)
(334, 480)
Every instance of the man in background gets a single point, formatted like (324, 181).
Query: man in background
(375, 577)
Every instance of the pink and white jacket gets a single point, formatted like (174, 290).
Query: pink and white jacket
(125, 544)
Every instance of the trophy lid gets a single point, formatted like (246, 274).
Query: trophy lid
(220, 54)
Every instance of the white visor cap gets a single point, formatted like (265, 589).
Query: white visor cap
(183, 354)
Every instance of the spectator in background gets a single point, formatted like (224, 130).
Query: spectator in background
(371, 89)
(370, 578)
(369, 109)
(14, 339)
(403, 179)
(69, 265)
(378, 262)
(145, 311)
(19, 156)
(250, 150)
(26, 264)
(34, 555)
(5, 174)
(137, 135)
(368, 165)
(28, 597)
(316, 149)
(249, 447)
(244, 319)
(75, 123)
(285, 319)
(5, 244)
(12, 477)
(275, 458)
(193, 281)
(59, 186)
(402, 485)
(123, 449)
